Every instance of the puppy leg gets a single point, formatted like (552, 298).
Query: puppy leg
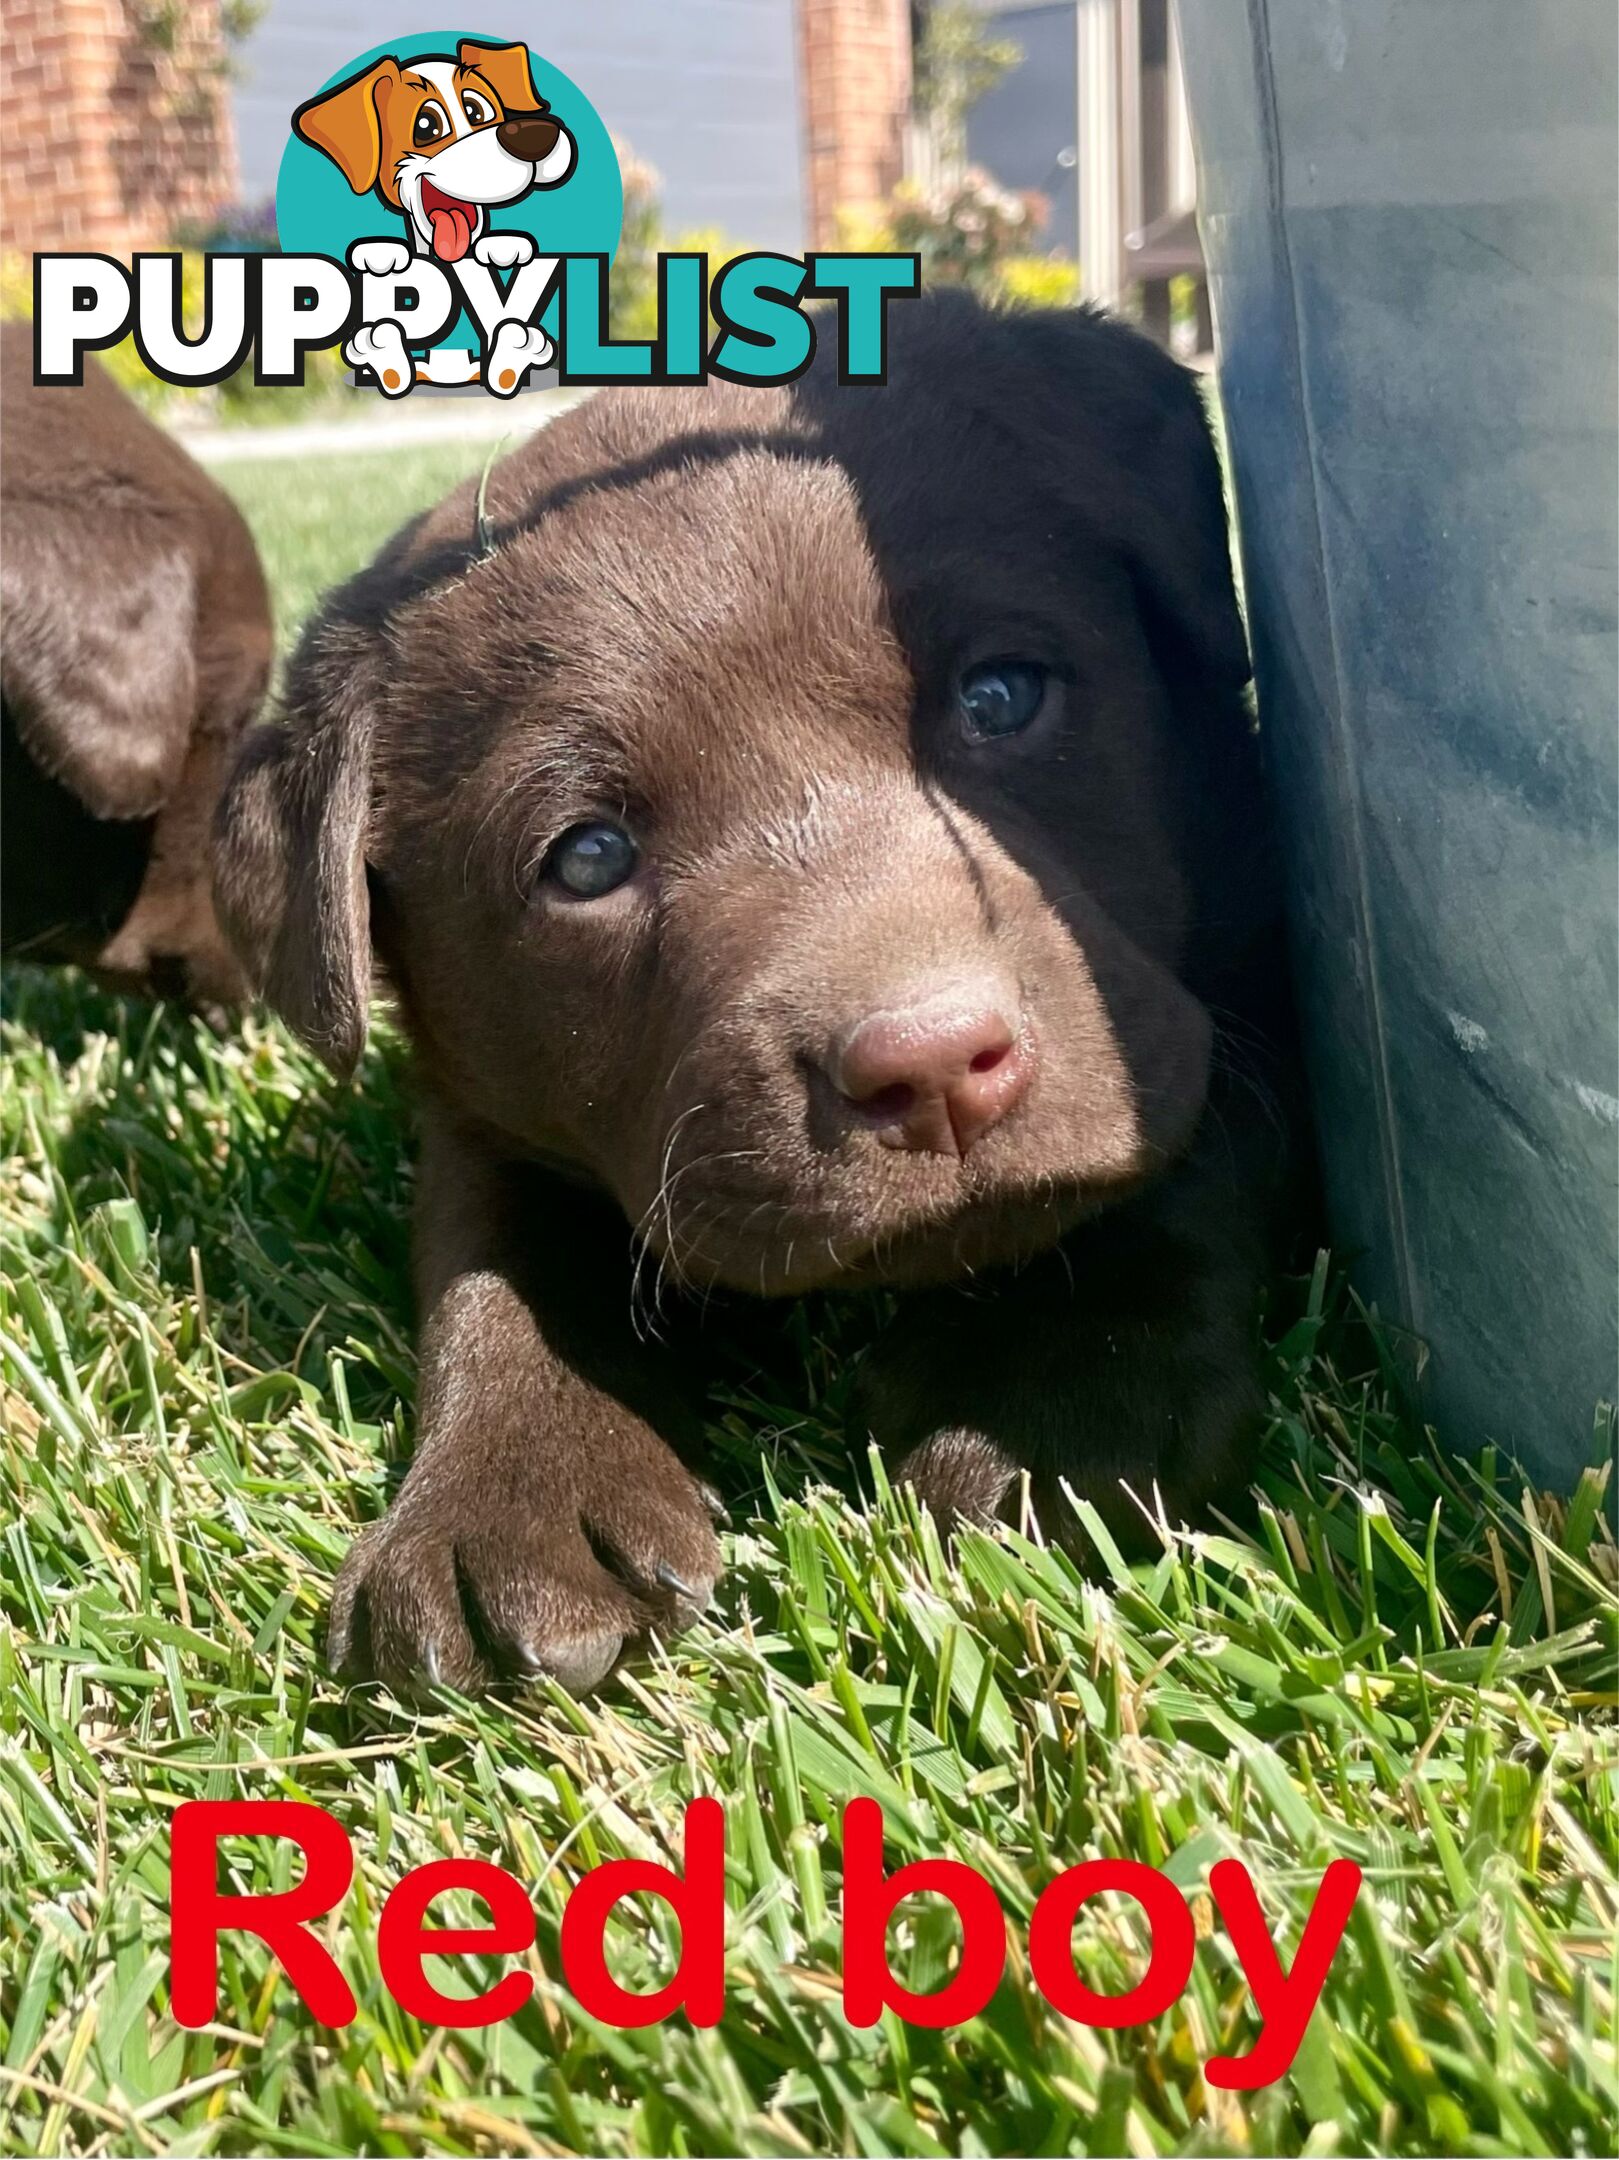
(1123, 1362)
(544, 1522)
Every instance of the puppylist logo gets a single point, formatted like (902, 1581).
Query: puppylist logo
(448, 208)
(476, 173)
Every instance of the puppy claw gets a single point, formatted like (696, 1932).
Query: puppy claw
(431, 1665)
(677, 1585)
(718, 1511)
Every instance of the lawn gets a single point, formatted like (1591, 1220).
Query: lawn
(205, 1386)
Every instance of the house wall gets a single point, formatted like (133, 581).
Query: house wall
(111, 141)
(855, 58)
(704, 90)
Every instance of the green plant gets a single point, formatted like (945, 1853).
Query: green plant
(1038, 280)
(957, 59)
(970, 231)
(169, 30)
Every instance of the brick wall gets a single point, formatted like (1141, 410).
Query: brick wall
(855, 88)
(116, 123)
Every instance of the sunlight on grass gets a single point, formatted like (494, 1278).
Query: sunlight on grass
(318, 519)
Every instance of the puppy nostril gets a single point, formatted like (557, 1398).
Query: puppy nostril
(933, 1075)
(895, 1101)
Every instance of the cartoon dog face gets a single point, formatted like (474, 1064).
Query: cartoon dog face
(440, 140)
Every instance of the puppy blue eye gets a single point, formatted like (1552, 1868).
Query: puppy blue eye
(591, 860)
(1000, 697)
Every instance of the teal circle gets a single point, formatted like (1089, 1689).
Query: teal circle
(317, 213)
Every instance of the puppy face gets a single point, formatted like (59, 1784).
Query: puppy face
(441, 139)
(783, 827)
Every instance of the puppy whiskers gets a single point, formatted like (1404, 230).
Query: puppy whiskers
(669, 1263)
(640, 1230)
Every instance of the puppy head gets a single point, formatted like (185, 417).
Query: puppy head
(789, 825)
(438, 139)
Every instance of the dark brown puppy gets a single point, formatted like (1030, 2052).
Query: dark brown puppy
(135, 648)
(814, 838)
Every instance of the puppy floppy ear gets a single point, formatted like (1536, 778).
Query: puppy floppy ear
(99, 664)
(289, 873)
(346, 123)
(506, 70)
(1177, 538)
(1122, 430)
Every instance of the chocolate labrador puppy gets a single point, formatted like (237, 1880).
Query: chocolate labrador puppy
(135, 649)
(814, 838)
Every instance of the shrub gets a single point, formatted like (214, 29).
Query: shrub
(970, 231)
(1039, 280)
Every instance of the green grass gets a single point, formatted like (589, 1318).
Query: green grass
(205, 1378)
(320, 519)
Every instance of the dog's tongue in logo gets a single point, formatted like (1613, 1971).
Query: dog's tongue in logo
(452, 222)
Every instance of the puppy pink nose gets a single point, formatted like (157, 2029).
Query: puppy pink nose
(932, 1077)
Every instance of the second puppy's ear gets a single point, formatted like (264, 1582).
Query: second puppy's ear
(99, 663)
(289, 872)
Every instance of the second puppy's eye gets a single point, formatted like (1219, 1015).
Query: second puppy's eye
(1001, 697)
(478, 110)
(431, 124)
(591, 860)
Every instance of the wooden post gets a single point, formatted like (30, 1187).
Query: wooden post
(1101, 227)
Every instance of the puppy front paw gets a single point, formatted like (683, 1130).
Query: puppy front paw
(503, 250)
(379, 258)
(381, 348)
(961, 1477)
(514, 349)
(467, 1588)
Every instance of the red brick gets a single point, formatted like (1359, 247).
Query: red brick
(96, 152)
(855, 83)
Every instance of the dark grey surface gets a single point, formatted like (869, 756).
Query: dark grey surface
(1408, 208)
(1017, 129)
(706, 90)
